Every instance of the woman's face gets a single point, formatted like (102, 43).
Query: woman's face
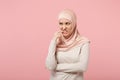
(66, 27)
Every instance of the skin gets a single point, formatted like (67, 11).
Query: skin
(66, 27)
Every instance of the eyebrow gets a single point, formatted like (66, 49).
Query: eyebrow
(65, 22)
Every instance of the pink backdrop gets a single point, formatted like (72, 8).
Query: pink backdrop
(26, 27)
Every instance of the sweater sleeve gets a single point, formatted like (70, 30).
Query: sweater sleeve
(51, 62)
(79, 66)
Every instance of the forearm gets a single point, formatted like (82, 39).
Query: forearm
(79, 66)
(71, 67)
(51, 62)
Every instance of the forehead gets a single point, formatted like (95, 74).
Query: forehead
(64, 20)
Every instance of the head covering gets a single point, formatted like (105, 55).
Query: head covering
(75, 38)
(68, 14)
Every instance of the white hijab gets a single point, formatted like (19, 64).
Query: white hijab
(75, 38)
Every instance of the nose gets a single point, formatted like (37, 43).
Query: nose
(63, 27)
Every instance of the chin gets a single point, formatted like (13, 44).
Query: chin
(65, 35)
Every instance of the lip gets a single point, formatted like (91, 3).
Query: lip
(64, 32)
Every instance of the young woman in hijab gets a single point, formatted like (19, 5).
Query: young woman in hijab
(68, 52)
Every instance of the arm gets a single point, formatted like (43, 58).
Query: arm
(51, 60)
(80, 66)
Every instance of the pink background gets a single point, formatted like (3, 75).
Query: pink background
(27, 26)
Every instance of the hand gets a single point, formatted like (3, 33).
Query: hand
(58, 36)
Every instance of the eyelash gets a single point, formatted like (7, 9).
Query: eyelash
(67, 23)
(61, 23)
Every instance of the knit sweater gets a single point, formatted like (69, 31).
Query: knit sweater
(68, 65)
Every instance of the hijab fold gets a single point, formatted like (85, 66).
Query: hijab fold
(75, 38)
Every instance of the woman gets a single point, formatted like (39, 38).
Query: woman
(68, 51)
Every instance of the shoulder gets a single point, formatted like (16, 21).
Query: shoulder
(83, 40)
(86, 42)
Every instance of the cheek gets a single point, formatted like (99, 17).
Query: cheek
(70, 28)
(60, 27)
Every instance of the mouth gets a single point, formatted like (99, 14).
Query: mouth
(64, 32)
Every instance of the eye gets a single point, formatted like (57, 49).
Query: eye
(60, 23)
(67, 23)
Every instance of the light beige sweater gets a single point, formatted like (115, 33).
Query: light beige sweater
(68, 65)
